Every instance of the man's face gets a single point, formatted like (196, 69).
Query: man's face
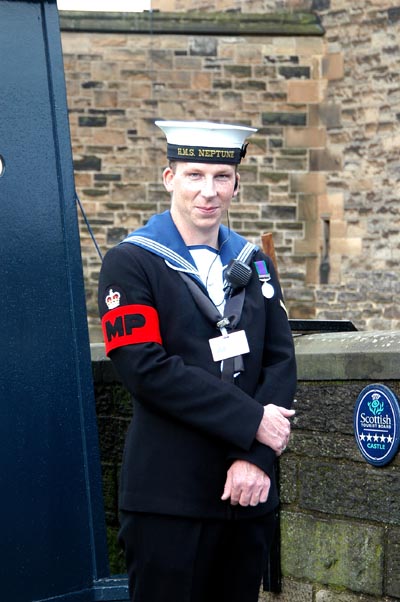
(201, 194)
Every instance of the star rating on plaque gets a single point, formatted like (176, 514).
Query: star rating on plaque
(381, 438)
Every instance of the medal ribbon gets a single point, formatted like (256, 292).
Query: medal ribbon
(262, 270)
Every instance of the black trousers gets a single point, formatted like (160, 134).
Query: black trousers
(174, 559)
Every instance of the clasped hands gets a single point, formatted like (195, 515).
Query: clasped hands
(246, 484)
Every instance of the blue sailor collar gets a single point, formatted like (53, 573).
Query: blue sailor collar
(161, 237)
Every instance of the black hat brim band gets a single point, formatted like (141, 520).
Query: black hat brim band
(204, 154)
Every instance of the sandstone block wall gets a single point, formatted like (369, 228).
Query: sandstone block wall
(323, 171)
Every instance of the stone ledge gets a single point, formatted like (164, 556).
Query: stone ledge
(98, 353)
(345, 356)
(349, 355)
(201, 23)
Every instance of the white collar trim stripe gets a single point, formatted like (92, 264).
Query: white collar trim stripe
(160, 249)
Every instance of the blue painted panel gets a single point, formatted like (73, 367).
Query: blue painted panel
(51, 512)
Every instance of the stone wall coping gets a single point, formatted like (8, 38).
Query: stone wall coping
(372, 355)
(97, 352)
(196, 22)
(349, 355)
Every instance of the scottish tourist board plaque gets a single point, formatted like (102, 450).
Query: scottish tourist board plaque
(377, 424)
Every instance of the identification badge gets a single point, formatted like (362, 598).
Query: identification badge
(228, 346)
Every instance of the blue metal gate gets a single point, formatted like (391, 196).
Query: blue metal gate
(52, 533)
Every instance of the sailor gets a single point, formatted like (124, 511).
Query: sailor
(195, 325)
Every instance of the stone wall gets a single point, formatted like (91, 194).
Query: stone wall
(367, 185)
(323, 171)
(340, 516)
(119, 83)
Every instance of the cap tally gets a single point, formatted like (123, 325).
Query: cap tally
(204, 141)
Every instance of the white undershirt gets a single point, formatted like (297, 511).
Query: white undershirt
(209, 265)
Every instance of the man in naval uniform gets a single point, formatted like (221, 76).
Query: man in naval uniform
(194, 322)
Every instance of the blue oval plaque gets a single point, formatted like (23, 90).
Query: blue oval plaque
(376, 424)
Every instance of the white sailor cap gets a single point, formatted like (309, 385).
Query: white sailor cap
(204, 141)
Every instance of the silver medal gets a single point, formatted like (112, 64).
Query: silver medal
(267, 290)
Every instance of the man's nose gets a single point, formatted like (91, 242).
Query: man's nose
(208, 189)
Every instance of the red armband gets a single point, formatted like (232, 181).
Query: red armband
(129, 325)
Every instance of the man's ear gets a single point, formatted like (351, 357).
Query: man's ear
(168, 176)
(236, 188)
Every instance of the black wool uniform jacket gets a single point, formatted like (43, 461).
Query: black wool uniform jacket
(188, 424)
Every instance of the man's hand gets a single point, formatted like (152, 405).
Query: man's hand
(246, 484)
(274, 429)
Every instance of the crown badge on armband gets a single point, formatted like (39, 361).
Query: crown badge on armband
(113, 299)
